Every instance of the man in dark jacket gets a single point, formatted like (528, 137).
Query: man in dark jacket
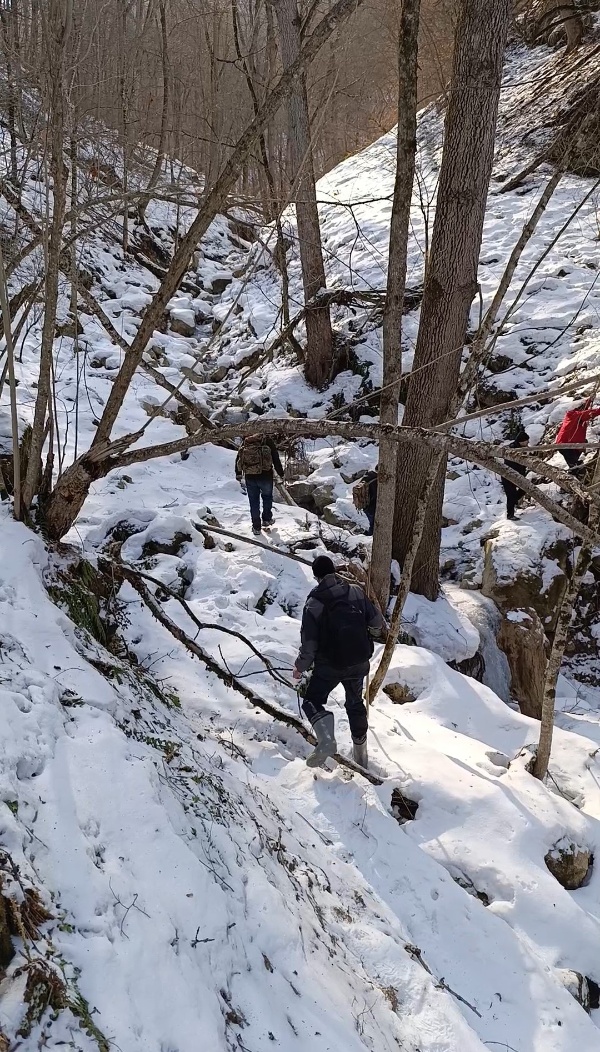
(254, 471)
(513, 493)
(339, 624)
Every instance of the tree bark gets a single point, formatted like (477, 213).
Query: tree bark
(71, 489)
(319, 337)
(59, 26)
(544, 749)
(451, 279)
(396, 283)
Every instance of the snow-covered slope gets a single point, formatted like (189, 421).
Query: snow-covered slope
(205, 890)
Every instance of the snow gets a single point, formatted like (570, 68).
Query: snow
(206, 889)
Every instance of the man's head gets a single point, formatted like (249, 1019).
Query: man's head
(523, 438)
(322, 566)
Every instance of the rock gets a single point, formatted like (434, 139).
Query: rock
(219, 374)
(529, 577)
(183, 323)
(470, 581)
(71, 328)
(570, 864)
(523, 640)
(475, 524)
(399, 693)
(218, 285)
(334, 515)
(172, 547)
(313, 495)
(577, 985)
(403, 808)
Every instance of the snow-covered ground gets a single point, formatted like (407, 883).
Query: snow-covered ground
(206, 890)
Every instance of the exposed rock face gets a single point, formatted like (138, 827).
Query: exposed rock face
(313, 494)
(577, 985)
(519, 573)
(569, 864)
(183, 323)
(524, 642)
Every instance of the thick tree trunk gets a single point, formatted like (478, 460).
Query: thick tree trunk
(59, 26)
(319, 337)
(451, 280)
(396, 283)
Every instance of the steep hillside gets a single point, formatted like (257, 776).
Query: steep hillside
(173, 876)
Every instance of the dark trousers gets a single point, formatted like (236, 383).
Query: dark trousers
(513, 496)
(572, 456)
(260, 487)
(370, 513)
(323, 680)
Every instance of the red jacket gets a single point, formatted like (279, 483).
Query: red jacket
(574, 426)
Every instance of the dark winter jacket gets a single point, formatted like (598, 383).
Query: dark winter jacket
(276, 460)
(333, 587)
(521, 468)
(372, 478)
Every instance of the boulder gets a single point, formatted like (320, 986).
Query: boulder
(527, 575)
(569, 863)
(313, 494)
(183, 322)
(524, 642)
(577, 985)
(337, 515)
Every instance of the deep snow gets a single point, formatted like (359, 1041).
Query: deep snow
(206, 889)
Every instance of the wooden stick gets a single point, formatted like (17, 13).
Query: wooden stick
(202, 527)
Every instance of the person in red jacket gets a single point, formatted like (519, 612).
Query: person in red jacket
(574, 429)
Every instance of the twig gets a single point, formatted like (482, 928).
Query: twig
(417, 956)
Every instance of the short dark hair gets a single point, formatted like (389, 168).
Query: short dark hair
(322, 566)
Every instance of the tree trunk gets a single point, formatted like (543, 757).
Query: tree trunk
(396, 283)
(319, 337)
(59, 25)
(451, 280)
(559, 643)
(164, 117)
(67, 499)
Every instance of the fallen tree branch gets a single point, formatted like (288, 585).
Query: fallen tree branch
(109, 457)
(204, 527)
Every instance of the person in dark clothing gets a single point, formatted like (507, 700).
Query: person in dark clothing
(513, 493)
(339, 624)
(254, 471)
(372, 478)
(574, 429)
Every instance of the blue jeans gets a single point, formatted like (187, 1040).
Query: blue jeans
(260, 486)
(370, 513)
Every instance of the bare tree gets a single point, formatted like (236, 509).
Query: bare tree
(319, 336)
(559, 642)
(396, 283)
(56, 28)
(73, 485)
(451, 280)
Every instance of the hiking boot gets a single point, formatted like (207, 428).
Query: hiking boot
(267, 523)
(359, 752)
(326, 743)
(256, 530)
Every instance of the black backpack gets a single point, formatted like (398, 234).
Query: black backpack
(344, 639)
